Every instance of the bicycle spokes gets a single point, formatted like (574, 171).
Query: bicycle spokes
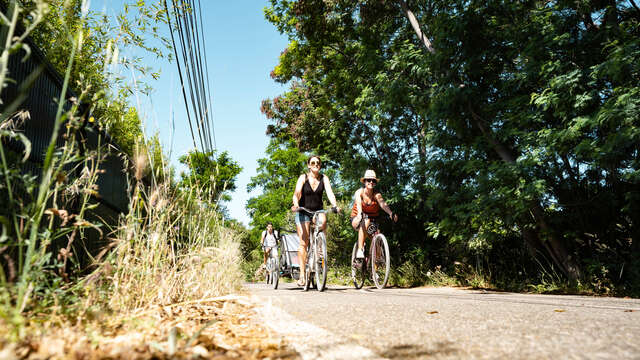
(380, 261)
(321, 261)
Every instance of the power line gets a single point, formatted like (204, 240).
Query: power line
(206, 68)
(193, 54)
(192, 68)
(186, 49)
(175, 51)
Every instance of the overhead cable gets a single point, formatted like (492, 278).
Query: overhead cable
(193, 71)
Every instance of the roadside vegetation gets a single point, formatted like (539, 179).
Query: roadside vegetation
(171, 250)
(507, 141)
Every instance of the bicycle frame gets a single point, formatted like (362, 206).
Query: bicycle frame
(312, 246)
(379, 241)
(372, 222)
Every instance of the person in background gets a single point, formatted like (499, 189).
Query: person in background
(268, 241)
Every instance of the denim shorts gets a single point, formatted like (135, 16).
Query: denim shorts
(302, 217)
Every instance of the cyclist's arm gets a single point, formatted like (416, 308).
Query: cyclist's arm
(297, 193)
(330, 195)
(383, 204)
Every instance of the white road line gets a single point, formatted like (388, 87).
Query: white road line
(312, 342)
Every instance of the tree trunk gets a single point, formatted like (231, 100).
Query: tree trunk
(553, 246)
(550, 242)
(416, 26)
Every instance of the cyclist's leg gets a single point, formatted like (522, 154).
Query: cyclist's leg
(303, 233)
(322, 221)
(362, 233)
(272, 255)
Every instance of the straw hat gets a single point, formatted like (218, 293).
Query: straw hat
(369, 174)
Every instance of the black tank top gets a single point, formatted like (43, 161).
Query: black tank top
(310, 199)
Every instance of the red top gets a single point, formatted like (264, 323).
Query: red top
(372, 209)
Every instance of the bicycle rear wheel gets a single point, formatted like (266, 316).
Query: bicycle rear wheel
(321, 261)
(380, 261)
(357, 268)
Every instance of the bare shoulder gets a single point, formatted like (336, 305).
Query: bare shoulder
(300, 182)
(378, 196)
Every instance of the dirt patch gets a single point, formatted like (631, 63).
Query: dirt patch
(220, 328)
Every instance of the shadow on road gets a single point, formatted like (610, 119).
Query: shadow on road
(409, 351)
(295, 288)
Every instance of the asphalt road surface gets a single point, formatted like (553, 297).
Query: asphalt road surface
(448, 323)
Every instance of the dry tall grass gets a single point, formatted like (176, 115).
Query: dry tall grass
(172, 247)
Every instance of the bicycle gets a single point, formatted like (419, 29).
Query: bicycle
(272, 270)
(317, 253)
(379, 258)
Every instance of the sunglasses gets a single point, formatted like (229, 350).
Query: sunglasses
(371, 181)
(314, 163)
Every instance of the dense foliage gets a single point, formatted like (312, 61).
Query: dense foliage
(512, 145)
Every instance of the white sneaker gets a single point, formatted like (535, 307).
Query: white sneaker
(359, 254)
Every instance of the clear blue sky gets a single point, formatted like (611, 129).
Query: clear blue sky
(242, 49)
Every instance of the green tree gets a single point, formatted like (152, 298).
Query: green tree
(210, 172)
(518, 124)
(276, 177)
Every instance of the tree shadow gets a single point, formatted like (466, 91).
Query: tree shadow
(412, 351)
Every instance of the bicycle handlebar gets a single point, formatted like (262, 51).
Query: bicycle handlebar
(393, 215)
(313, 212)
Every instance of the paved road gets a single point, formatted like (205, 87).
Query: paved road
(449, 323)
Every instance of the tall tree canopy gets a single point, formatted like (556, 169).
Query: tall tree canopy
(516, 137)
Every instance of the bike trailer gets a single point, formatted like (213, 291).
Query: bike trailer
(290, 244)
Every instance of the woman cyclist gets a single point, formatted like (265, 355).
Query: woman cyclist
(368, 200)
(308, 194)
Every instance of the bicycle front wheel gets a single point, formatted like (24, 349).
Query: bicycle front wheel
(357, 268)
(321, 261)
(380, 261)
(309, 268)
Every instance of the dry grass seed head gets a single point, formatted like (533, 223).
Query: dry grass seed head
(140, 164)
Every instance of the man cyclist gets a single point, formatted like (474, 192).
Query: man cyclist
(308, 194)
(268, 241)
(369, 201)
